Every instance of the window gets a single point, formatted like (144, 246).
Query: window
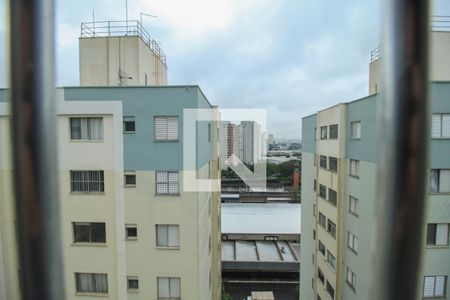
(315, 185)
(86, 128)
(434, 286)
(321, 276)
(322, 191)
(332, 164)
(130, 178)
(352, 242)
(354, 168)
(209, 132)
(331, 228)
(95, 283)
(440, 126)
(330, 290)
(167, 236)
(332, 196)
(315, 133)
(314, 210)
(129, 125)
(323, 161)
(169, 288)
(167, 183)
(322, 249)
(315, 160)
(166, 128)
(323, 132)
(356, 130)
(351, 279)
(131, 231)
(87, 181)
(314, 234)
(353, 205)
(334, 131)
(437, 234)
(89, 232)
(440, 181)
(322, 220)
(331, 260)
(132, 283)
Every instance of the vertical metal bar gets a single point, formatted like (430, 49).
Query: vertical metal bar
(35, 149)
(403, 150)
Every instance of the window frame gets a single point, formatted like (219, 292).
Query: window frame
(350, 210)
(167, 182)
(438, 183)
(330, 131)
(435, 235)
(93, 275)
(132, 289)
(330, 227)
(334, 159)
(441, 126)
(353, 246)
(323, 132)
(167, 139)
(129, 173)
(357, 168)
(87, 181)
(333, 192)
(444, 295)
(88, 130)
(323, 162)
(170, 290)
(352, 283)
(129, 119)
(76, 241)
(130, 237)
(159, 244)
(354, 136)
(324, 188)
(331, 260)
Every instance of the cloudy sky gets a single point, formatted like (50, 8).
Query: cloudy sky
(291, 57)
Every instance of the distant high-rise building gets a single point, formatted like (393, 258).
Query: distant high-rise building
(271, 139)
(339, 182)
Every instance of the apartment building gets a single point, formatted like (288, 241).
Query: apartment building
(130, 229)
(339, 181)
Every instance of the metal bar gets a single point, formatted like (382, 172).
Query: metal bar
(34, 149)
(403, 150)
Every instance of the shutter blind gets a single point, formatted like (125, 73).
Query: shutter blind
(428, 286)
(439, 290)
(436, 125)
(446, 125)
(163, 287)
(173, 236)
(172, 128)
(441, 234)
(160, 128)
(444, 181)
(175, 287)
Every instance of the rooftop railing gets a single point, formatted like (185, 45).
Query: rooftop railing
(122, 28)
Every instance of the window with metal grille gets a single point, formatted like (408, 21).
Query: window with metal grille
(167, 183)
(87, 181)
(332, 164)
(129, 125)
(167, 236)
(434, 286)
(437, 234)
(86, 128)
(323, 161)
(169, 288)
(93, 283)
(332, 196)
(334, 131)
(86, 232)
(440, 126)
(440, 181)
(166, 128)
(352, 242)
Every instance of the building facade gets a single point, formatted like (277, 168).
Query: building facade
(339, 182)
(130, 231)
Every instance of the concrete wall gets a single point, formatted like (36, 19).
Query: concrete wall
(111, 61)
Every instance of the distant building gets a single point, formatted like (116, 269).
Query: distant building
(270, 139)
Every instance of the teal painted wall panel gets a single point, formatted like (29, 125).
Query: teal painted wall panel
(308, 139)
(141, 151)
(363, 110)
